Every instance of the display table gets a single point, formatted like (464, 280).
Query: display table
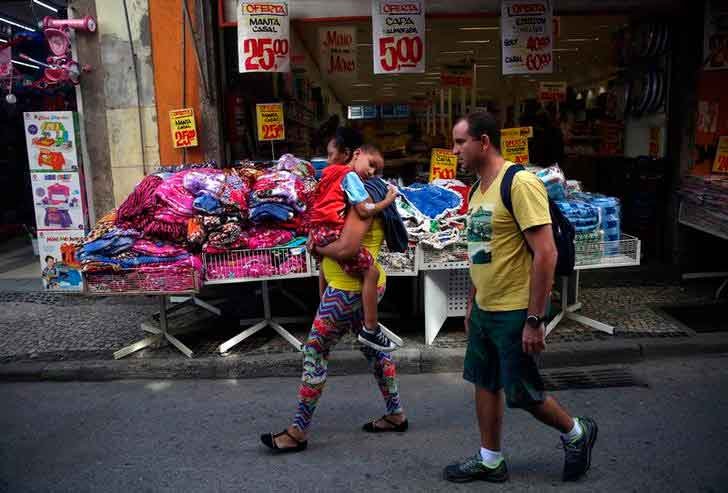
(447, 286)
(707, 221)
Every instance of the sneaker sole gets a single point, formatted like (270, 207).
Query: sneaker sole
(594, 442)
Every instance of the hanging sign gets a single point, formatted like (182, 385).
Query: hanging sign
(514, 144)
(270, 121)
(457, 79)
(720, 165)
(715, 36)
(263, 37)
(398, 31)
(184, 130)
(337, 52)
(443, 164)
(552, 91)
(526, 36)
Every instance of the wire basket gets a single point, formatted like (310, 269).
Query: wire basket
(399, 264)
(453, 256)
(704, 219)
(600, 254)
(147, 281)
(256, 265)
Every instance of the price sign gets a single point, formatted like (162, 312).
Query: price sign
(526, 36)
(720, 165)
(263, 37)
(337, 48)
(398, 29)
(514, 144)
(552, 91)
(270, 121)
(443, 164)
(184, 130)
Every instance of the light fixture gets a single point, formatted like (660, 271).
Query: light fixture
(432, 73)
(363, 45)
(425, 83)
(361, 84)
(565, 50)
(479, 66)
(480, 28)
(3, 40)
(602, 90)
(361, 100)
(6, 20)
(457, 52)
(580, 40)
(45, 5)
(16, 62)
(473, 41)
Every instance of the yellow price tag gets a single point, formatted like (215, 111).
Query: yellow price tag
(184, 130)
(270, 121)
(443, 164)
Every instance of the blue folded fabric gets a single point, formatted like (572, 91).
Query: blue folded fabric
(108, 245)
(129, 263)
(431, 200)
(271, 212)
(207, 203)
(394, 230)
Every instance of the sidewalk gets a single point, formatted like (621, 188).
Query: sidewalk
(55, 336)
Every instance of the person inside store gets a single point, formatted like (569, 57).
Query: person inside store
(512, 262)
(340, 311)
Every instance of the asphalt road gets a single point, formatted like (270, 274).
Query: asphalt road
(203, 435)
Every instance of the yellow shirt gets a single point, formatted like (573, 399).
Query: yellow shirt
(335, 275)
(500, 263)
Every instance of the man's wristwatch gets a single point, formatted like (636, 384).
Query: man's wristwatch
(534, 321)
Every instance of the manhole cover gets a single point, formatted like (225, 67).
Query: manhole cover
(590, 378)
(700, 318)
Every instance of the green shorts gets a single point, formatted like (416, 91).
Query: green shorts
(495, 360)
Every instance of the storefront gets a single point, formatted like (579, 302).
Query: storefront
(582, 96)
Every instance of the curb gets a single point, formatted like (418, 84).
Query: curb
(409, 361)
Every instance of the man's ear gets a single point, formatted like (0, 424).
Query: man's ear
(485, 141)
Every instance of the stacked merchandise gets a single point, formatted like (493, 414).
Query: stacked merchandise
(710, 193)
(434, 215)
(595, 217)
(160, 231)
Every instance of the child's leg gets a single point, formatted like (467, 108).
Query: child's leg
(369, 298)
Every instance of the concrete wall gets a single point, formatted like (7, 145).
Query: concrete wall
(120, 118)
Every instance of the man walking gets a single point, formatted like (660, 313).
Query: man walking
(512, 262)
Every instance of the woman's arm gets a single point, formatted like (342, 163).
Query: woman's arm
(350, 240)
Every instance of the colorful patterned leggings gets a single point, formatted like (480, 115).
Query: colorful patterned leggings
(338, 312)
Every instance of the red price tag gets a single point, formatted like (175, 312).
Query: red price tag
(535, 62)
(272, 131)
(185, 138)
(261, 54)
(396, 53)
(722, 163)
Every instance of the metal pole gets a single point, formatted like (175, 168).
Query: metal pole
(272, 150)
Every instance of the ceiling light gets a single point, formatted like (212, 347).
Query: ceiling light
(16, 24)
(363, 44)
(580, 40)
(361, 100)
(565, 50)
(432, 73)
(3, 40)
(473, 41)
(16, 62)
(479, 66)
(480, 28)
(45, 5)
(425, 83)
(362, 84)
(457, 52)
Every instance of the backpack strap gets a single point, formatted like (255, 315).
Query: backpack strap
(505, 189)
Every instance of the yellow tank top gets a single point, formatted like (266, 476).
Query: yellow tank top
(335, 275)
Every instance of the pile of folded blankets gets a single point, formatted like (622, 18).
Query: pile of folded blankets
(172, 217)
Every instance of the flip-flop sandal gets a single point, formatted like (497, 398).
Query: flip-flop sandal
(269, 441)
(372, 427)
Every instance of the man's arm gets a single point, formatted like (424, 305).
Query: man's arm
(541, 241)
(468, 311)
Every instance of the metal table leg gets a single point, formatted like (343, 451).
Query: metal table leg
(568, 310)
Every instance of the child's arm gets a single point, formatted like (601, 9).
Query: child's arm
(368, 209)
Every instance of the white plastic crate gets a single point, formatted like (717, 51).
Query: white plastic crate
(606, 254)
(454, 256)
(256, 265)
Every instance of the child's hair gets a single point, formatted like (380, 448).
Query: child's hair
(369, 149)
(347, 139)
(49, 257)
